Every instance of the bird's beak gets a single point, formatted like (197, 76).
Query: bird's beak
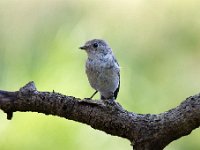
(83, 47)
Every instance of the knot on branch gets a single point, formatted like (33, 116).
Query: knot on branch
(7, 99)
(28, 88)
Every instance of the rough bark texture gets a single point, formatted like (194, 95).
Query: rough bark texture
(145, 131)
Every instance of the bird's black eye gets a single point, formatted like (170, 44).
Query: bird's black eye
(95, 45)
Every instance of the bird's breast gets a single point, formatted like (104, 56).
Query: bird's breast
(102, 74)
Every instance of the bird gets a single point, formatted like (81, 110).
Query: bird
(102, 69)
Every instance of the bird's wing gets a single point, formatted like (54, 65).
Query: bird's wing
(117, 90)
(118, 72)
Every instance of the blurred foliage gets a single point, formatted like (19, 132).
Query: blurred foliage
(156, 42)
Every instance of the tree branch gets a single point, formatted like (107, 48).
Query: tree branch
(145, 131)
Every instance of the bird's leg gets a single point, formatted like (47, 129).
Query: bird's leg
(93, 94)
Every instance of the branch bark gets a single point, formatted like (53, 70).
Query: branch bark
(145, 131)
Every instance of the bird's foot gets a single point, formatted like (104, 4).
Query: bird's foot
(110, 101)
(91, 102)
(113, 103)
(87, 99)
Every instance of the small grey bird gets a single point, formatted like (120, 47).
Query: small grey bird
(102, 69)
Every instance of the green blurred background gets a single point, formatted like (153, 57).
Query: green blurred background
(156, 43)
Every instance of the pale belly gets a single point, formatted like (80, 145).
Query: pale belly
(106, 80)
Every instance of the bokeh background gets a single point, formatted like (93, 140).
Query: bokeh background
(157, 44)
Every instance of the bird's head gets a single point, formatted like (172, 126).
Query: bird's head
(96, 47)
